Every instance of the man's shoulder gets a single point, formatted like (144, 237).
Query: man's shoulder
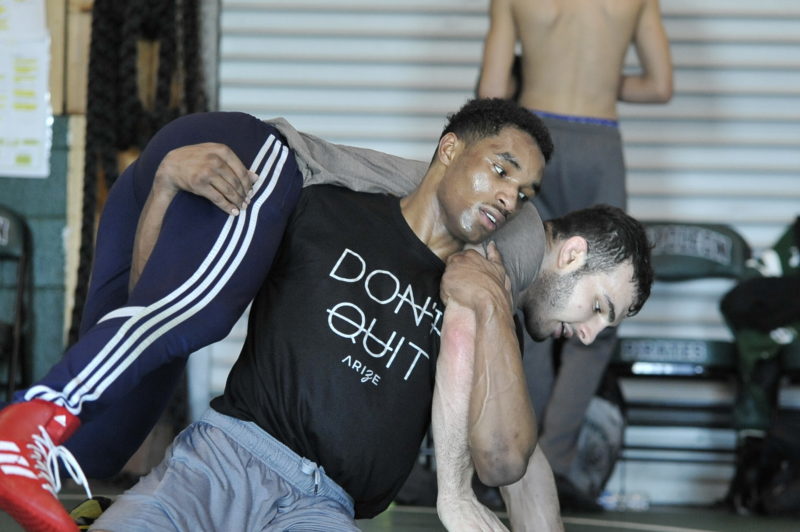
(521, 243)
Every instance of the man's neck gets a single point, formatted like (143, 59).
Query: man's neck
(423, 213)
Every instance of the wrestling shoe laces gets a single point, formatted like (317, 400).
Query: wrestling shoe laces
(46, 454)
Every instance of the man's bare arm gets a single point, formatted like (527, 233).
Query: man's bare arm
(532, 502)
(501, 422)
(210, 170)
(654, 84)
(457, 506)
(498, 52)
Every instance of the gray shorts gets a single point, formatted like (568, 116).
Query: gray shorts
(224, 474)
(587, 167)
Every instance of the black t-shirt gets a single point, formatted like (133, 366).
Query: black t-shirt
(342, 343)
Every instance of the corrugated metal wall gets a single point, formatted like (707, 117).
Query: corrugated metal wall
(384, 74)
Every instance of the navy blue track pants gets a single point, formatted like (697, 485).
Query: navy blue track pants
(204, 270)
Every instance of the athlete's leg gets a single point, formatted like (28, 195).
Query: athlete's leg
(204, 270)
(588, 169)
(99, 443)
(274, 490)
(104, 444)
(582, 368)
(108, 283)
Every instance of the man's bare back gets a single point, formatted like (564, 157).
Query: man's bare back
(573, 53)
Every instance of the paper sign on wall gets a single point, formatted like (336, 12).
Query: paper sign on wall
(26, 117)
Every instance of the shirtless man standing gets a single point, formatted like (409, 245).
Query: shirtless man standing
(572, 55)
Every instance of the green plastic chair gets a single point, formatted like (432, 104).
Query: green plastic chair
(684, 251)
(15, 289)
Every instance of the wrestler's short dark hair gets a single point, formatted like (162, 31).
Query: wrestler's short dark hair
(485, 117)
(613, 237)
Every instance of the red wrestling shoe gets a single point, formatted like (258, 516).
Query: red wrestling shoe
(30, 437)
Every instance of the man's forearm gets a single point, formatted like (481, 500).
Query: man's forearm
(501, 423)
(502, 431)
(451, 403)
(532, 502)
(654, 85)
(456, 503)
(645, 89)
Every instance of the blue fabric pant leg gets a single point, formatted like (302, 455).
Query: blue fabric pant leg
(204, 270)
(105, 443)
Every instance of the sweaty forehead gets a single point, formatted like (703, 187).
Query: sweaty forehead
(520, 151)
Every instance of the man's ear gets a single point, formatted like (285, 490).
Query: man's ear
(572, 254)
(448, 147)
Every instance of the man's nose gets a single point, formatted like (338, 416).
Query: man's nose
(508, 198)
(589, 330)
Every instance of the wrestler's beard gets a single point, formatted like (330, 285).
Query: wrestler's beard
(547, 298)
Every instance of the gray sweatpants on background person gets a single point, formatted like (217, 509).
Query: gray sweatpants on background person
(587, 168)
(561, 400)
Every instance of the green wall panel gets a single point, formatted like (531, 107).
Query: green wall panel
(43, 203)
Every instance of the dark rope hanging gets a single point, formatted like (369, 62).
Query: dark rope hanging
(116, 118)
